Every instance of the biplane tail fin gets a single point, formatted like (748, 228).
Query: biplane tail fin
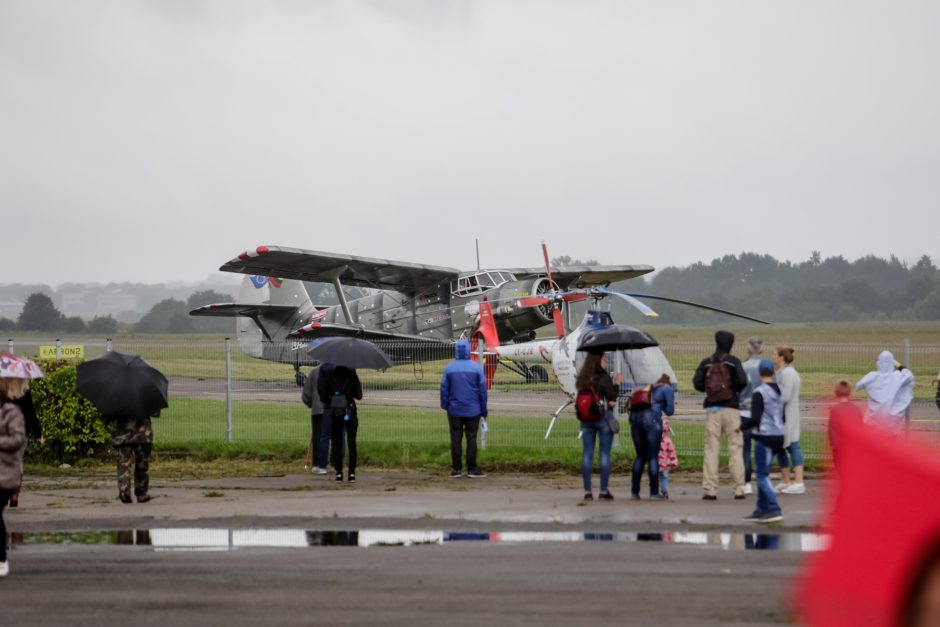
(487, 336)
(267, 308)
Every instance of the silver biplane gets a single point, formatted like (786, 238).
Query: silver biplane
(420, 310)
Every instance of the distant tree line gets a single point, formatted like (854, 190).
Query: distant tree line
(167, 316)
(815, 290)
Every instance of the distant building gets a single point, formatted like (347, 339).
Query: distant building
(10, 309)
(77, 303)
(115, 302)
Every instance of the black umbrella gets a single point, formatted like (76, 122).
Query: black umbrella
(350, 352)
(615, 337)
(122, 385)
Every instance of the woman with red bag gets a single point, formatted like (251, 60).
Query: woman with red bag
(647, 406)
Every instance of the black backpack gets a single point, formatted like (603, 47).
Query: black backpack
(718, 382)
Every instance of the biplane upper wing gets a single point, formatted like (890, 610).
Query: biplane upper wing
(568, 277)
(310, 265)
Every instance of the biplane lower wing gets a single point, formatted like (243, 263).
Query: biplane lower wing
(233, 310)
(402, 348)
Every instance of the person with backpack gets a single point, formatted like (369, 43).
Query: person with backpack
(647, 406)
(721, 376)
(766, 418)
(596, 397)
(339, 389)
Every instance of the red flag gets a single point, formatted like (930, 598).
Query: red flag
(886, 519)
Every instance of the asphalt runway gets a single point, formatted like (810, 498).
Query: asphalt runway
(608, 577)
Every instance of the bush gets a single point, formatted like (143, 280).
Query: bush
(71, 425)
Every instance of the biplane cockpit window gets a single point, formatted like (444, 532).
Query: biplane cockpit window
(477, 283)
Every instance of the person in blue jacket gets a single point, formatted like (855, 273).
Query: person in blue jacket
(463, 395)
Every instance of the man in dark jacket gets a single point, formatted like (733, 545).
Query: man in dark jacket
(722, 378)
(463, 395)
(339, 389)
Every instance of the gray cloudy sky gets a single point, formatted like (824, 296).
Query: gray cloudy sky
(153, 141)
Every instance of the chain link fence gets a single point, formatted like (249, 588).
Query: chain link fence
(219, 393)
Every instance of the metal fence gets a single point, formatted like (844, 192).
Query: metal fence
(221, 394)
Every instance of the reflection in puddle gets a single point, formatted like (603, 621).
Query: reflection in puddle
(228, 539)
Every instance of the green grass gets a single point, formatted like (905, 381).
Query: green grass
(394, 437)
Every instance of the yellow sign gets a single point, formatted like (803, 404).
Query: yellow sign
(74, 351)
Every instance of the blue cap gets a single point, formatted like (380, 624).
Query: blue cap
(765, 368)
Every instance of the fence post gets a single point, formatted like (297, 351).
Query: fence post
(108, 345)
(10, 346)
(483, 425)
(907, 364)
(228, 387)
(58, 349)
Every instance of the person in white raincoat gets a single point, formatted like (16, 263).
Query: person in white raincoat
(890, 391)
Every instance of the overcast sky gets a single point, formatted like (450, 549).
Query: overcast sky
(153, 141)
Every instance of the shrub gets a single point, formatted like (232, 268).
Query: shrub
(71, 425)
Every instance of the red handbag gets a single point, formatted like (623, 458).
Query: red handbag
(642, 398)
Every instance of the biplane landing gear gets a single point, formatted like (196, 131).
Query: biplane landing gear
(299, 377)
(536, 374)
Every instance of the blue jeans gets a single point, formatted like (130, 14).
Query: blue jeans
(766, 496)
(796, 456)
(748, 466)
(664, 481)
(589, 433)
(326, 434)
(647, 432)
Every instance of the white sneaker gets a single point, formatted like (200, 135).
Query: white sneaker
(319, 471)
(794, 488)
(4, 567)
(748, 489)
(780, 487)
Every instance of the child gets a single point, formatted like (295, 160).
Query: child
(667, 458)
(844, 410)
(766, 419)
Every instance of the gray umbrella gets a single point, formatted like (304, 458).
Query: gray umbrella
(615, 337)
(350, 352)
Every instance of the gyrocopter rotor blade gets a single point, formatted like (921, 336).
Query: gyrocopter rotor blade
(691, 304)
(646, 311)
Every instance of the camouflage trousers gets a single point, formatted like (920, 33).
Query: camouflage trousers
(139, 456)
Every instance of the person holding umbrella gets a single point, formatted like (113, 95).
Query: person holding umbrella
(339, 389)
(128, 392)
(15, 373)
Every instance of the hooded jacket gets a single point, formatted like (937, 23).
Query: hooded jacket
(463, 386)
(724, 340)
(12, 446)
(890, 391)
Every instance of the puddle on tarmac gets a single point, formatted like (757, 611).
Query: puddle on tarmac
(200, 539)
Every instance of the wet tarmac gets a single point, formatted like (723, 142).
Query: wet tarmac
(507, 550)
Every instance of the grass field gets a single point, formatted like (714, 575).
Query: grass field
(407, 437)
(825, 353)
